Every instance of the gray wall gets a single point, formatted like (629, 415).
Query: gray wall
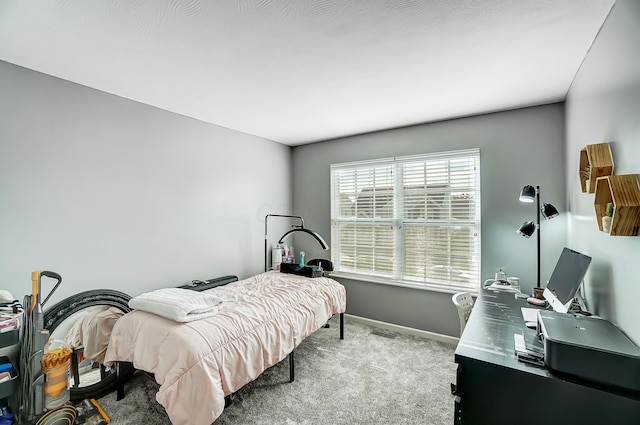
(517, 147)
(112, 193)
(603, 105)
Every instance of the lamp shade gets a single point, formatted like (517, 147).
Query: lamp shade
(528, 194)
(526, 229)
(317, 237)
(296, 228)
(549, 211)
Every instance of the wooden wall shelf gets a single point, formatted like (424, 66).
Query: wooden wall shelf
(598, 158)
(624, 192)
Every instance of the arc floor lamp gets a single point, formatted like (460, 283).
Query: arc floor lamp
(529, 194)
(295, 228)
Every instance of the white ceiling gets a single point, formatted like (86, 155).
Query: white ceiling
(299, 71)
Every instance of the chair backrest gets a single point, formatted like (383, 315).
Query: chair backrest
(464, 303)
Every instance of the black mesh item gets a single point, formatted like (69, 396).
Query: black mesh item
(327, 265)
(306, 271)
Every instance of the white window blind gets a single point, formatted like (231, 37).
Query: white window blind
(413, 219)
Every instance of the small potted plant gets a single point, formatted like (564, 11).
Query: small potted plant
(606, 219)
(586, 173)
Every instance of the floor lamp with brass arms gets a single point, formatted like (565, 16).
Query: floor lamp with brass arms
(295, 228)
(529, 194)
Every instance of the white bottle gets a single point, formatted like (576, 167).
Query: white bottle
(276, 257)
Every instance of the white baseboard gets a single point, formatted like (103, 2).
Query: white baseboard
(405, 330)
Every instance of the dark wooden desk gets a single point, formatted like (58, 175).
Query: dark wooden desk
(493, 387)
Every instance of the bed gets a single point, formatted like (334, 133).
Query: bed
(200, 363)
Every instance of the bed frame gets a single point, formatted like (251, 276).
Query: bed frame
(198, 285)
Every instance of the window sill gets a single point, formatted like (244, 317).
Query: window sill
(421, 286)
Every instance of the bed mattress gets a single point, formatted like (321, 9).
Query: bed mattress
(261, 320)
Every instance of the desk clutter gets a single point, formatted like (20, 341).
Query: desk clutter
(527, 354)
(307, 271)
(283, 254)
(585, 347)
(501, 286)
(576, 373)
(317, 267)
(574, 343)
(581, 346)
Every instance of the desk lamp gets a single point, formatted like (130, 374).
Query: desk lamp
(296, 228)
(529, 194)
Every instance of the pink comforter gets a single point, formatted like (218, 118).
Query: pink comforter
(261, 320)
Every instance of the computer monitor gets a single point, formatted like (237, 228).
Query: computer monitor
(566, 279)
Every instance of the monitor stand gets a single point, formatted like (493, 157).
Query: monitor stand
(555, 302)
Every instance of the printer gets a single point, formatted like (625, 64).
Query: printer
(589, 348)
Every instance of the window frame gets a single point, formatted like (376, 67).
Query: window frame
(398, 277)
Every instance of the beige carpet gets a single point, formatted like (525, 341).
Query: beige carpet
(371, 377)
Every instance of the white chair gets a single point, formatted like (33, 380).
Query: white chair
(464, 303)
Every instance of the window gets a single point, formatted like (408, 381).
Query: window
(408, 220)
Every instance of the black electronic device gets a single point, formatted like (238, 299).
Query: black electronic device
(201, 285)
(589, 348)
(307, 271)
(324, 264)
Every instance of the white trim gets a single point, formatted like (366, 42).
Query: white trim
(438, 155)
(365, 247)
(362, 164)
(405, 330)
(447, 289)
